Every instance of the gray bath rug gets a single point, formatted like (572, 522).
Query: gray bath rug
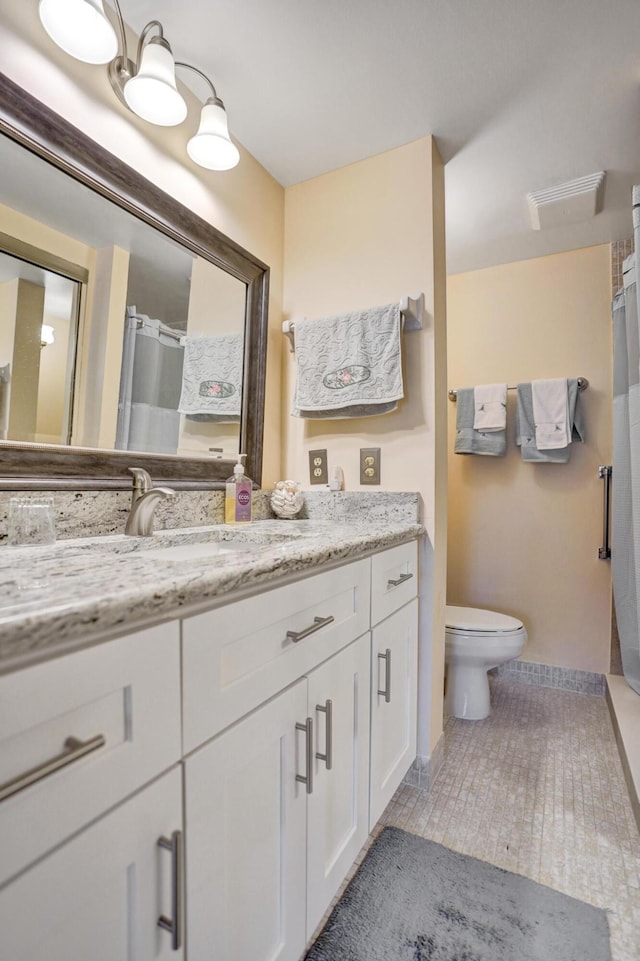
(414, 900)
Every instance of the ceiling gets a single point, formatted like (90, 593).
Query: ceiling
(520, 95)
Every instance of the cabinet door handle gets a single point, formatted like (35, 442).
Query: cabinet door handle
(75, 749)
(386, 657)
(399, 580)
(327, 708)
(318, 624)
(174, 924)
(307, 779)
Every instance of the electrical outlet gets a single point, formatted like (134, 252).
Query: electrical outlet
(318, 471)
(369, 465)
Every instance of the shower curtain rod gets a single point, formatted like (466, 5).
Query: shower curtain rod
(583, 383)
(165, 332)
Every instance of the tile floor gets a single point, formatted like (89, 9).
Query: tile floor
(537, 788)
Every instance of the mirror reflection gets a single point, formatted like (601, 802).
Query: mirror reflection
(38, 326)
(112, 335)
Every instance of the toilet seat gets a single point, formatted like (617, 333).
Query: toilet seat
(473, 620)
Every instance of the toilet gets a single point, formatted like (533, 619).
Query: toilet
(475, 641)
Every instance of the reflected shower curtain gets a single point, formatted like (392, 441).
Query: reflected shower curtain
(150, 384)
(625, 554)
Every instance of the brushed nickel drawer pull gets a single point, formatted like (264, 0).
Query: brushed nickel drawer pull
(174, 925)
(386, 657)
(75, 749)
(307, 727)
(318, 624)
(400, 580)
(327, 708)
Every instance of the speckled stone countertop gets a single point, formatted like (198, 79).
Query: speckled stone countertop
(78, 591)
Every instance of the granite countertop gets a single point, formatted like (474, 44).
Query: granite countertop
(69, 595)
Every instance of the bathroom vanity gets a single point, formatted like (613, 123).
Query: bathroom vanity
(229, 710)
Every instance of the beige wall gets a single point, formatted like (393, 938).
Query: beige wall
(524, 538)
(368, 234)
(245, 203)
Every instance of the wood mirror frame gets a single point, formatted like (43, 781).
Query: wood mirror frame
(42, 466)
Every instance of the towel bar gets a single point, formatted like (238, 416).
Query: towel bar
(583, 383)
(411, 312)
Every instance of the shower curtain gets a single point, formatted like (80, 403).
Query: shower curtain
(625, 554)
(150, 384)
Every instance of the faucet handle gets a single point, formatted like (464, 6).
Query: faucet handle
(141, 479)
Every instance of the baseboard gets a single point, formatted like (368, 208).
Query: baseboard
(624, 707)
(548, 675)
(424, 770)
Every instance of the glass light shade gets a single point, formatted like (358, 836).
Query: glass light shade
(152, 94)
(80, 28)
(211, 146)
(46, 335)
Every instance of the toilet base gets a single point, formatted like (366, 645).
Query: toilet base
(468, 692)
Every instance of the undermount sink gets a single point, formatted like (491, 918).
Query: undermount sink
(188, 544)
(202, 551)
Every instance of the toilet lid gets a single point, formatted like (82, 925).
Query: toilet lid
(474, 619)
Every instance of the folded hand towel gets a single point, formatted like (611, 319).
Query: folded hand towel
(525, 427)
(550, 400)
(469, 441)
(212, 377)
(490, 407)
(349, 365)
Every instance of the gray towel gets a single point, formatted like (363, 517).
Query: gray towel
(349, 365)
(212, 378)
(470, 441)
(526, 432)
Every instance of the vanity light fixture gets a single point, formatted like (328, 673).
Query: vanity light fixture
(146, 87)
(46, 335)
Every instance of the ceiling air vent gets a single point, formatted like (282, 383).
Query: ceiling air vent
(569, 203)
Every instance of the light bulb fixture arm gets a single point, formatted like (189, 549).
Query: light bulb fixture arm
(143, 38)
(121, 68)
(188, 66)
(123, 32)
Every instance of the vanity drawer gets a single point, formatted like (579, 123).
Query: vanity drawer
(125, 693)
(394, 580)
(238, 656)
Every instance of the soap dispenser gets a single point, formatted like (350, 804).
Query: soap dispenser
(238, 496)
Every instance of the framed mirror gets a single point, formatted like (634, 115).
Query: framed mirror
(132, 332)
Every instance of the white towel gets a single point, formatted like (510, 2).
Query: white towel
(349, 365)
(550, 400)
(490, 407)
(212, 377)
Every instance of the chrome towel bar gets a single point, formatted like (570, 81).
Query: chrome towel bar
(583, 383)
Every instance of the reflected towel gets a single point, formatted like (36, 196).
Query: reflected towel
(470, 441)
(525, 428)
(490, 407)
(550, 399)
(349, 365)
(212, 378)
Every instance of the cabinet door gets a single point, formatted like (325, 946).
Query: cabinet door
(338, 805)
(245, 837)
(100, 895)
(394, 670)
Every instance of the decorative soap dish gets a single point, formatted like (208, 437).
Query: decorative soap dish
(287, 499)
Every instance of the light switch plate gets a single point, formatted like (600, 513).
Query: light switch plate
(318, 471)
(369, 465)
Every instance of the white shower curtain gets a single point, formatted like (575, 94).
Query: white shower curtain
(150, 383)
(625, 554)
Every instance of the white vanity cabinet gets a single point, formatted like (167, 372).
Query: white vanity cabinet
(246, 753)
(337, 825)
(394, 672)
(245, 837)
(100, 895)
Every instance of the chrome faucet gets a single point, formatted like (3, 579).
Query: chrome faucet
(144, 500)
